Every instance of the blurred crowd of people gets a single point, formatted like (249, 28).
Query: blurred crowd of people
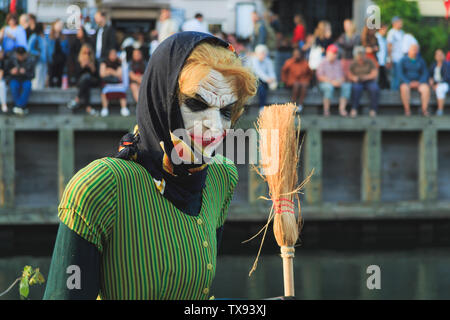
(32, 57)
(372, 59)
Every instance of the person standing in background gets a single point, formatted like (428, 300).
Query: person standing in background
(346, 42)
(166, 26)
(196, 24)
(23, 22)
(13, 35)
(383, 81)
(37, 47)
(370, 43)
(322, 35)
(298, 37)
(105, 37)
(276, 25)
(31, 25)
(395, 52)
(57, 50)
(259, 35)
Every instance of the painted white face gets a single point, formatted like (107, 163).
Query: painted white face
(207, 116)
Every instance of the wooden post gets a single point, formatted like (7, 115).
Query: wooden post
(313, 160)
(66, 158)
(428, 164)
(7, 167)
(371, 166)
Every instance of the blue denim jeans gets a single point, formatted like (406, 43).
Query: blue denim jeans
(328, 90)
(262, 93)
(395, 78)
(20, 91)
(357, 91)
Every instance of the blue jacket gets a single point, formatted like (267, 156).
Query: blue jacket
(20, 40)
(412, 70)
(37, 47)
(51, 48)
(445, 71)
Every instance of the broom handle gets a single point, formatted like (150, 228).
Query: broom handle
(287, 254)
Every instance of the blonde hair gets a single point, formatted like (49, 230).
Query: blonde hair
(322, 27)
(206, 57)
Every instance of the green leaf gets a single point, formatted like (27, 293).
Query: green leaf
(24, 289)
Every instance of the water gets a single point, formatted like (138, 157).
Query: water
(411, 274)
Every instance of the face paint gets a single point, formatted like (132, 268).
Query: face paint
(207, 116)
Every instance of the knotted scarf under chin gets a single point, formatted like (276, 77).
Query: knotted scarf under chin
(183, 191)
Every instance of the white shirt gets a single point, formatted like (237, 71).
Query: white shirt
(166, 28)
(437, 74)
(264, 70)
(195, 25)
(382, 52)
(395, 38)
(407, 41)
(98, 45)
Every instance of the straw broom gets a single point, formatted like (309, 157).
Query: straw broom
(280, 152)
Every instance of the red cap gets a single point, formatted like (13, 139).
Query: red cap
(332, 48)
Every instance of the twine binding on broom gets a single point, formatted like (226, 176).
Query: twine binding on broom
(287, 252)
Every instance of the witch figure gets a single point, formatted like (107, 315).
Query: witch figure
(146, 224)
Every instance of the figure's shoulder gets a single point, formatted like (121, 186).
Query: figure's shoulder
(120, 166)
(107, 170)
(94, 173)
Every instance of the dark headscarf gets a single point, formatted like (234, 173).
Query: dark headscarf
(158, 113)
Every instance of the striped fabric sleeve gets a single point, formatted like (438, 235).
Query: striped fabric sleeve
(232, 181)
(88, 205)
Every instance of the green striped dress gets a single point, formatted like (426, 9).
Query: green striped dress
(150, 249)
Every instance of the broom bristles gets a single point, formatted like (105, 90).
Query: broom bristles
(279, 146)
